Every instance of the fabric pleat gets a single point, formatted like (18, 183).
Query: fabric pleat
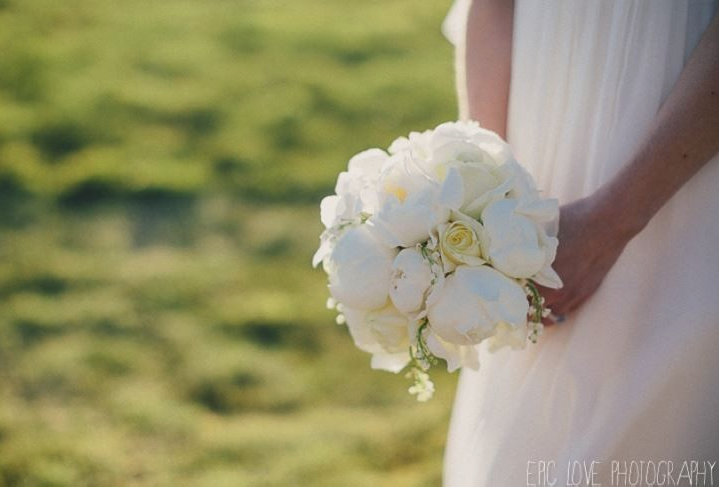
(634, 373)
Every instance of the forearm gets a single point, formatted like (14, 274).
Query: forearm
(683, 137)
(488, 62)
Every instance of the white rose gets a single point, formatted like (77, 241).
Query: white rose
(410, 280)
(515, 243)
(459, 243)
(474, 302)
(359, 269)
(383, 333)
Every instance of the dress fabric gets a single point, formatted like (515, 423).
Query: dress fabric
(634, 373)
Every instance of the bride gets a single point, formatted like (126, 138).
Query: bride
(614, 108)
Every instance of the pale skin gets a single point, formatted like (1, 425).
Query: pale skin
(683, 137)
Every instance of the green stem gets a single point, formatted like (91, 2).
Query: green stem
(536, 300)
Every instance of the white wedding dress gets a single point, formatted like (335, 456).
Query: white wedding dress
(634, 373)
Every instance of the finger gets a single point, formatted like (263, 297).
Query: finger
(548, 321)
(561, 305)
(553, 298)
(553, 319)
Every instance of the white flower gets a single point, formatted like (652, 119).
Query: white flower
(481, 159)
(505, 335)
(353, 190)
(484, 184)
(355, 199)
(474, 302)
(327, 242)
(467, 142)
(459, 243)
(417, 144)
(516, 244)
(531, 203)
(368, 163)
(423, 387)
(410, 280)
(383, 333)
(359, 269)
(410, 204)
(456, 356)
(536, 328)
(363, 171)
(405, 223)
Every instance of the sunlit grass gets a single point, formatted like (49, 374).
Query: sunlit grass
(161, 165)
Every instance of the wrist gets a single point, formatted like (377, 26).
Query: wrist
(613, 211)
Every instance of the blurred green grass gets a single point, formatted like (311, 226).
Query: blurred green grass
(161, 165)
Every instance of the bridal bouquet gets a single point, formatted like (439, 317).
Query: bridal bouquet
(436, 246)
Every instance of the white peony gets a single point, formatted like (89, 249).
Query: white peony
(410, 280)
(474, 302)
(482, 183)
(410, 204)
(456, 356)
(359, 269)
(516, 244)
(354, 189)
(327, 243)
(505, 335)
(481, 159)
(383, 333)
(467, 142)
(354, 200)
(417, 145)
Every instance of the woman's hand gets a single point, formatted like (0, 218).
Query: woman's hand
(590, 242)
(683, 137)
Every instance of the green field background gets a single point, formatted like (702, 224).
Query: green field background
(161, 166)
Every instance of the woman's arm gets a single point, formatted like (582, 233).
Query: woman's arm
(683, 137)
(488, 62)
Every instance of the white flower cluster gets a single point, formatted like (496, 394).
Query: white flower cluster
(436, 246)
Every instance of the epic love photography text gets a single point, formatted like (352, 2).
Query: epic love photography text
(624, 473)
